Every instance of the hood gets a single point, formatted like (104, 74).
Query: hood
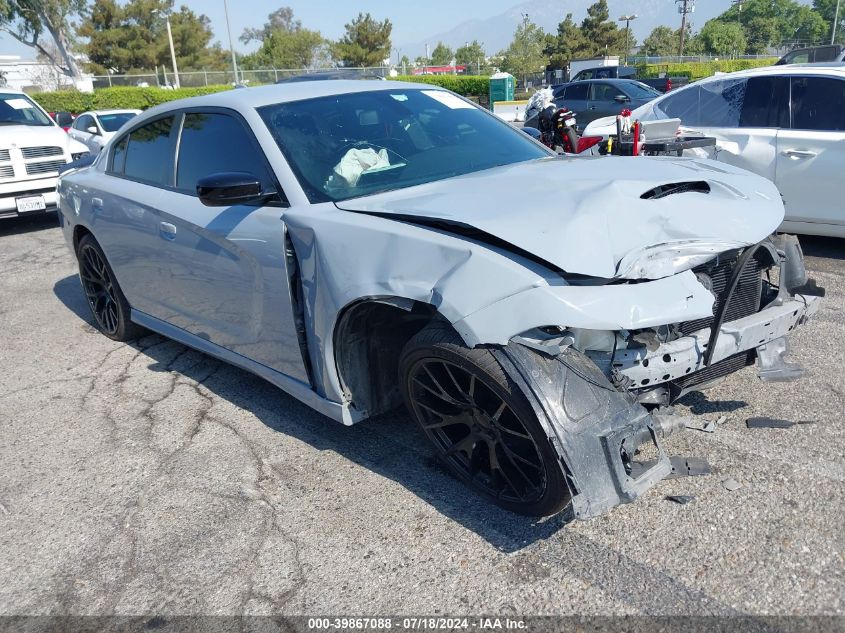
(584, 215)
(34, 136)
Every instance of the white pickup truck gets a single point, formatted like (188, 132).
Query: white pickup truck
(32, 149)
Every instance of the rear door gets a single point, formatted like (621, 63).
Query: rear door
(576, 99)
(811, 154)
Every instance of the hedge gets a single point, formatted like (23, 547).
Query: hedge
(700, 70)
(129, 98)
(466, 85)
(132, 98)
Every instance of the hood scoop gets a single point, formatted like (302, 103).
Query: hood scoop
(672, 188)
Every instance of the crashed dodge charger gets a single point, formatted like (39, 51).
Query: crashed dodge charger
(365, 244)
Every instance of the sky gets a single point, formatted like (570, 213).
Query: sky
(412, 19)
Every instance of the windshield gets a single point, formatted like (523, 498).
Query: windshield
(636, 90)
(113, 122)
(356, 144)
(18, 109)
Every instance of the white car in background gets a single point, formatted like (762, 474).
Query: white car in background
(94, 129)
(786, 123)
(32, 150)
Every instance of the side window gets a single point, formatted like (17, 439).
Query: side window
(720, 103)
(212, 143)
(149, 156)
(577, 92)
(603, 92)
(766, 103)
(818, 103)
(118, 157)
(681, 104)
(83, 122)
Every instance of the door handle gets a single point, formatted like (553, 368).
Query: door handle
(798, 153)
(167, 230)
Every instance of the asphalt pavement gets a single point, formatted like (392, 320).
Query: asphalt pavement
(151, 479)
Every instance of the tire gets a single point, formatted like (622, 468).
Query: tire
(480, 423)
(105, 298)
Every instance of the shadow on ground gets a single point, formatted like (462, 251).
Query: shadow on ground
(28, 224)
(390, 445)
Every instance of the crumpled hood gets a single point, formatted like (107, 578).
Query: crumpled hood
(585, 214)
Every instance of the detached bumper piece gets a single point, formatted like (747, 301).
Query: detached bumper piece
(595, 429)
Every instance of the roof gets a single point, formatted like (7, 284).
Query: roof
(821, 68)
(118, 111)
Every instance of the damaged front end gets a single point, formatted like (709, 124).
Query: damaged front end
(594, 390)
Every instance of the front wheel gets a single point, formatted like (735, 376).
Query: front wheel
(105, 298)
(480, 424)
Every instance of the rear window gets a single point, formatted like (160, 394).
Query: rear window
(149, 154)
(818, 103)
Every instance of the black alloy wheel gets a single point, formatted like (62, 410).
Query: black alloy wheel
(108, 304)
(480, 424)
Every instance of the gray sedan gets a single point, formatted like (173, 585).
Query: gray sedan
(592, 99)
(367, 244)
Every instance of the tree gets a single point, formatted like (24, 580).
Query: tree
(366, 42)
(441, 55)
(776, 23)
(827, 10)
(566, 45)
(284, 44)
(123, 38)
(472, 54)
(601, 35)
(525, 54)
(288, 49)
(722, 38)
(661, 42)
(27, 21)
(279, 20)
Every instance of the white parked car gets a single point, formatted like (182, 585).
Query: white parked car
(94, 129)
(32, 149)
(786, 123)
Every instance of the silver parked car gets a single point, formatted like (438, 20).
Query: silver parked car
(95, 128)
(786, 123)
(364, 244)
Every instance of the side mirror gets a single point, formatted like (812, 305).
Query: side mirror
(64, 119)
(621, 99)
(92, 130)
(230, 188)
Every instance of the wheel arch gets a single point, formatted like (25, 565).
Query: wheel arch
(368, 338)
(80, 231)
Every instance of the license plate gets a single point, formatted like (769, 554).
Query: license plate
(30, 203)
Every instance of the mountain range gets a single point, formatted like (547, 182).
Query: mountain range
(496, 32)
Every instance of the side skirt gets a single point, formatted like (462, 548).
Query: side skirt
(343, 413)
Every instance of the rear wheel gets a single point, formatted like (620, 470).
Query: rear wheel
(480, 424)
(105, 298)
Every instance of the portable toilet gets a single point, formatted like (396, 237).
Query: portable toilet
(501, 88)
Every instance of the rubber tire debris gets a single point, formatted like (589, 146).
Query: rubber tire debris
(680, 499)
(773, 423)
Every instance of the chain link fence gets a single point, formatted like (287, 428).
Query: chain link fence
(196, 78)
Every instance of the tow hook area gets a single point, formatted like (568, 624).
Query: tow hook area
(595, 429)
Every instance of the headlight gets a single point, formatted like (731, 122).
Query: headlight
(670, 258)
(79, 155)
